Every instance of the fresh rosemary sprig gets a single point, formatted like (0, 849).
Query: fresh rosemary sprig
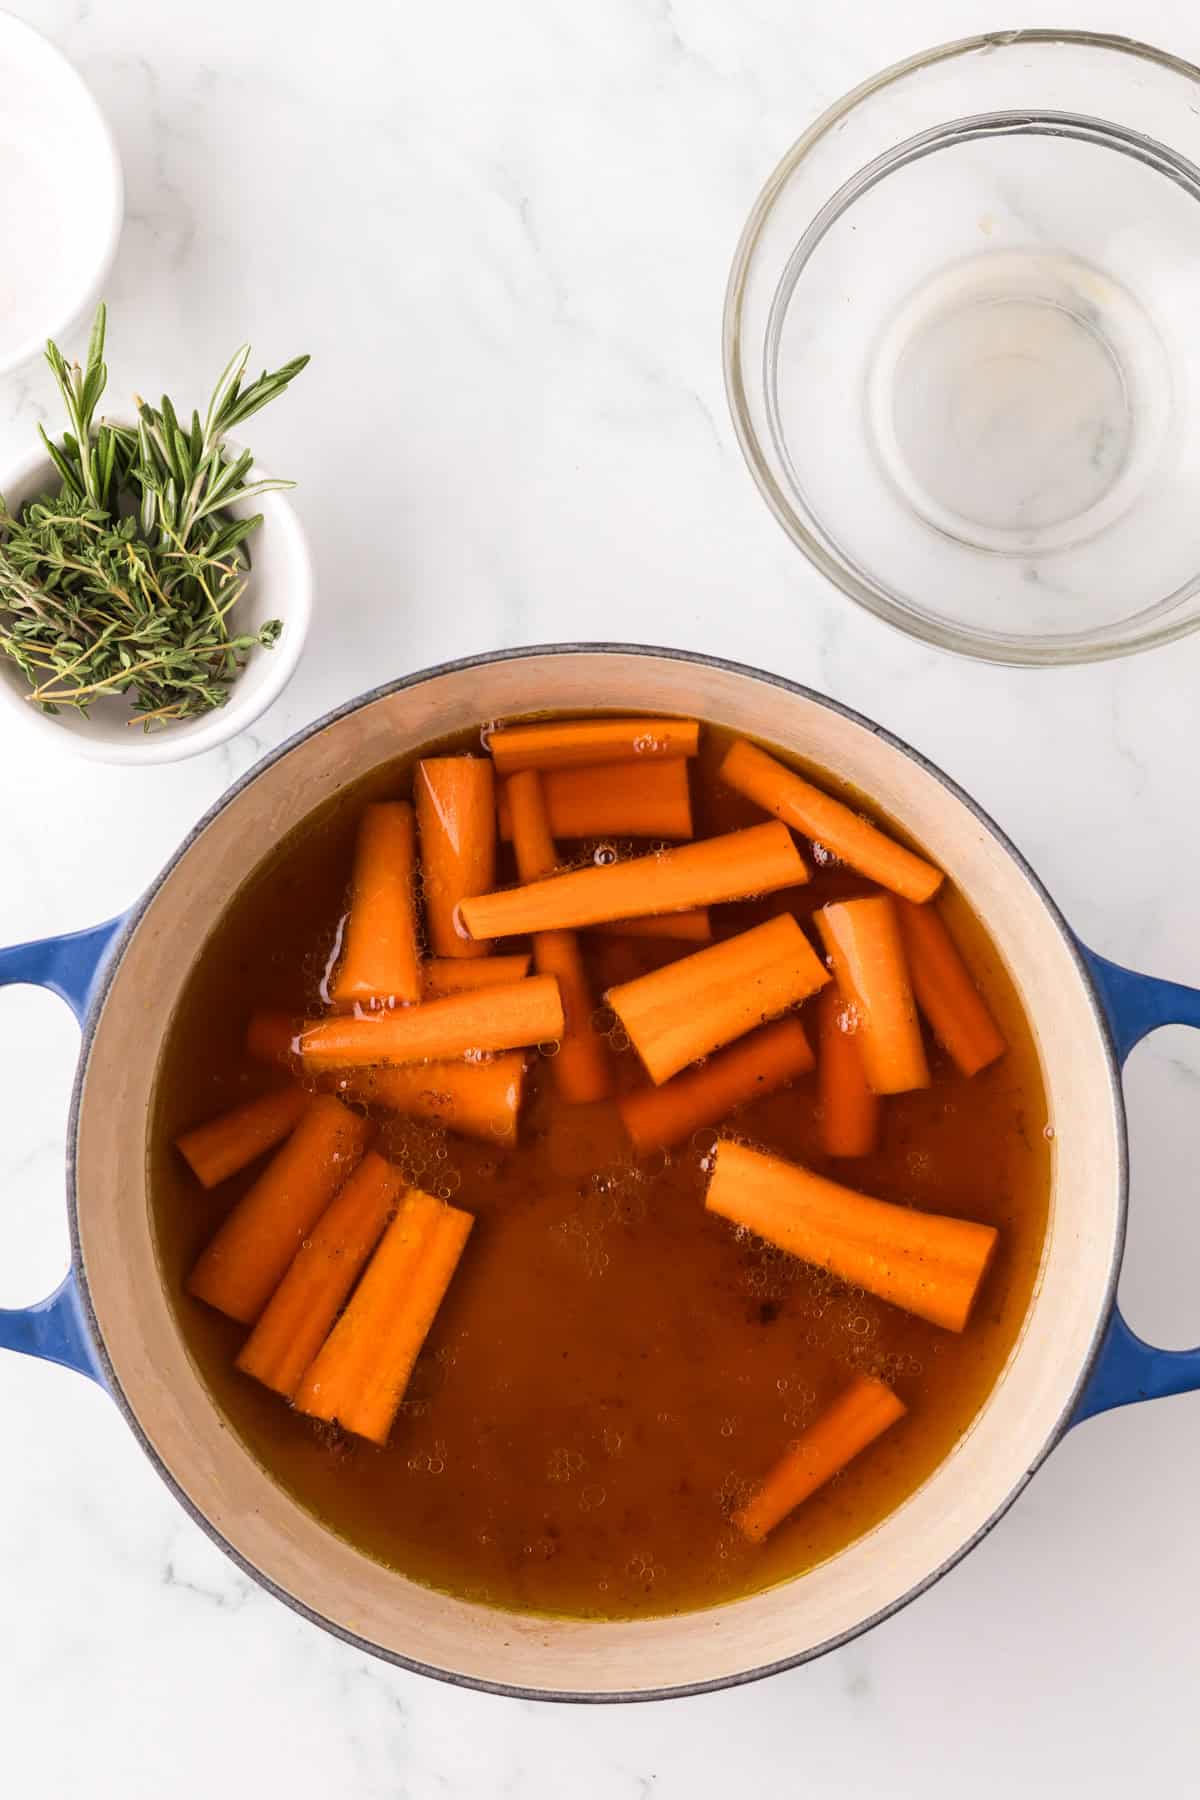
(123, 582)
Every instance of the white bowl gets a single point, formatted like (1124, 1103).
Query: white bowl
(279, 586)
(62, 199)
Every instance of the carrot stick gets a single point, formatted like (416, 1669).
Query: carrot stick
(652, 800)
(757, 861)
(379, 953)
(499, 1018)
(849, 1109)
(270, 1036)
(695, 1005)
(827, 821)
(924, 1262)
(860, 1414)
(302, 1309)
(566, 743)
(533, 841)
(246, 1260)
(452, 975)
(477, 1099)
(862, 940)
(227, 1144)
(456, 812)
(581, 1069)
(693, 927)
(359, 1375)
(945, 992)
(658, 1117)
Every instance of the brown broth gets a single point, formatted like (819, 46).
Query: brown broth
(612, 1370)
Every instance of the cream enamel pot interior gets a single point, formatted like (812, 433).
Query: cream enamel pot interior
(111, 1317)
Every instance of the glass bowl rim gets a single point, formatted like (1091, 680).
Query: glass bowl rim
(1020, 649)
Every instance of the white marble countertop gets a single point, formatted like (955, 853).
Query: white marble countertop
(503, 233)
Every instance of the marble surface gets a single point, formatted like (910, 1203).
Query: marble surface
(503, 233)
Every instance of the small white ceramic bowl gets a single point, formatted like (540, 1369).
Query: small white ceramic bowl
(62, 199)
(279, 586)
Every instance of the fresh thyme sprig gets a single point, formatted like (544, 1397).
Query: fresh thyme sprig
(123, 582)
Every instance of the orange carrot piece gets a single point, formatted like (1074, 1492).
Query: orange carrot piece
(849, 1107)
(247, 1259)
(946, 994)
(862, 940)
(270, 1037)
(767, 1060)
(533, 841)
(926, 1263)
(498, 1018)
(443, 975)
(379, 954)
(477, 1099)
(566, 743)
(860, 1414)
(225, 1145)
(824, 820)
(456, 813)
(693, 1006)
(581, 1070)
(653, 800)
(359, 1375)
(301, 1311)
(693, 927)
(758, 861)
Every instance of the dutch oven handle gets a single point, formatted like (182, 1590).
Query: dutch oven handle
(69, 966)
(1127, 1368)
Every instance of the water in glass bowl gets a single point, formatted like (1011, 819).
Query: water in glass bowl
(961, 345)
(1020, 400)
(983, 377)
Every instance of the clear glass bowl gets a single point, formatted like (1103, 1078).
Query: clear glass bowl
(962, 346)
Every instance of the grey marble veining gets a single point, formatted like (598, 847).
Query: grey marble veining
(504, 235)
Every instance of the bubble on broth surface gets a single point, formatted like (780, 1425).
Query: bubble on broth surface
(562, 1464)
(642, 1567)
(734, 1491)
(429, 1462)
(656, 1163)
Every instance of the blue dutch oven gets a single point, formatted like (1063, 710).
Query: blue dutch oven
(111, 1318)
